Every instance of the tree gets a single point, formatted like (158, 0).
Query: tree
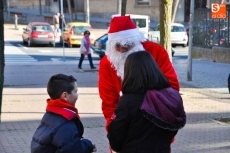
(75, 9)
(70, 10)
(123, 7)
(174, 9)
(2, 59)
(165, 7)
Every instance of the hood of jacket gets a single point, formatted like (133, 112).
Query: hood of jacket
(164, 108)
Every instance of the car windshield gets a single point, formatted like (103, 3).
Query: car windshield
(104, 37)
(80, 29)
(141, 23)
(177, 29)
(42, 28)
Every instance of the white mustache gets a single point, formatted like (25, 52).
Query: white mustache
(117, 59)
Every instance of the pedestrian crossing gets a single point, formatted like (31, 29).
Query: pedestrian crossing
(17, 54)
(180, 51)
(14, 55)
(59, 51)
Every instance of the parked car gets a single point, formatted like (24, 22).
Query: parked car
(99, 46)
(73, 33)
(187, 30)
(178, 34)
(141, 21)
(38, 33)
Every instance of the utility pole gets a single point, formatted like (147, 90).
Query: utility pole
(40, 7)
(59, 6)
(189, 66)
(63, 46)
(87, 14)
(119, 7)
(8, 10)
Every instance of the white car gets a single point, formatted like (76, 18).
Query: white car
(141, 21)
(178, 34)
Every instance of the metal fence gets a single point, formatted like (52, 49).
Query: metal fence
(208, 32)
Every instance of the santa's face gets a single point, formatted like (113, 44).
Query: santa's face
(122, 49)
(118, 51)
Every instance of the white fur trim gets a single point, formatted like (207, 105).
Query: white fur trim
(123, 34)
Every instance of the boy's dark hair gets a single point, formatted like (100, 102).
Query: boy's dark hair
(60, 83)
(141, 73)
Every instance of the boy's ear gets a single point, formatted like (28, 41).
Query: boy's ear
(64, 96)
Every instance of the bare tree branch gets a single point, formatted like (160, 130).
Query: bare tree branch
(70, 11)
(123, 7)
(174, 9)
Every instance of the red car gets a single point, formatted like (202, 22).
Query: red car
(38, 33)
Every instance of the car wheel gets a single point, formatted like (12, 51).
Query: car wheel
(184, 45)
(61, 40)
(101, 56)
(70, 45)
(30, 43)
(24, 42)
(53, 44)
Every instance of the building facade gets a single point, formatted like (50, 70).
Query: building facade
(105, 8)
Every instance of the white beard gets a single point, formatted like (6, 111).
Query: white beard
(117, 59)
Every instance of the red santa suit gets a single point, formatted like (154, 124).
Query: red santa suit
(110, 83)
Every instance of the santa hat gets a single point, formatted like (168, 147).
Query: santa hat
(122, 27)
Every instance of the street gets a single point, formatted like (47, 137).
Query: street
(17, 52)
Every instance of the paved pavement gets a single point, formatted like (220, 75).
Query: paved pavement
(206, 100)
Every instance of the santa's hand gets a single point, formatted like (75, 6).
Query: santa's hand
(94, 148)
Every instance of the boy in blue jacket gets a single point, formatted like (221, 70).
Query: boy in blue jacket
(61, 130)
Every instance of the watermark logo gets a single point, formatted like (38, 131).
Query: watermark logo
(218, 11)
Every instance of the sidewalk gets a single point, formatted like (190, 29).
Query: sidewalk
(204, 101)
(96, 22)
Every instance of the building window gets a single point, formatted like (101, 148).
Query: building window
(142, 2)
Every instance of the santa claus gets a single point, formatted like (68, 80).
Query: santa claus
(125, 38)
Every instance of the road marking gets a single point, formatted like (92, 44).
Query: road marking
(22, 46)
(45, 51)
(56, 59)
(58, 51)
(14, 55)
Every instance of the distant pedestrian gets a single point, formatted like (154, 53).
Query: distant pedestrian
(85, 50)
(149, 113)
(62, 22)
(61, 129)
(56, 23)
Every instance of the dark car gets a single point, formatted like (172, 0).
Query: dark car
(38, 33)
(99, 46)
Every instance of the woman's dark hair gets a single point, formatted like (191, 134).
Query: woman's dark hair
(141, 73)
(86, 32)
(60, 83)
